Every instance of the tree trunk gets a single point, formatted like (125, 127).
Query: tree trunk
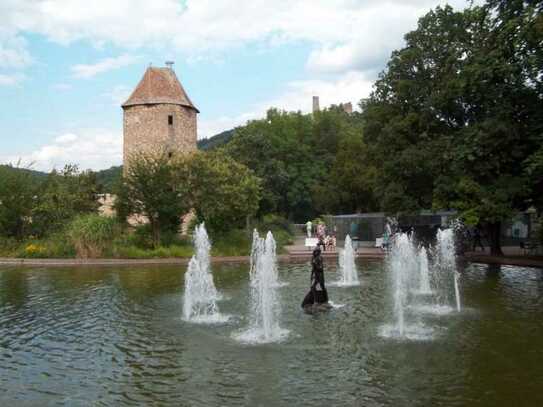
(155, 227)
(494, 231)
(248, 225)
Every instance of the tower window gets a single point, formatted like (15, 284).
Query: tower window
(170, 154)
(170, 120)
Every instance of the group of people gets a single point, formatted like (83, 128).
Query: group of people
(325, 241)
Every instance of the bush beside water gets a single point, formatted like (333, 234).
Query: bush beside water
(91, 234)
(94, 236)
(56, 246)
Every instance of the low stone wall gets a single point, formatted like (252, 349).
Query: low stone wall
(294, 257)
(6, 261)
(505, 260)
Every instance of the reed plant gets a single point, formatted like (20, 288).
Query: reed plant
(91, 234)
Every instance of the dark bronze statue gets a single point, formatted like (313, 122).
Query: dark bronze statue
(317, 297)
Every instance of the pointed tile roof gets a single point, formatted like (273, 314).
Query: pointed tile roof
(159, 85)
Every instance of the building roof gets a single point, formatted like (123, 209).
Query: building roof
(159, 85)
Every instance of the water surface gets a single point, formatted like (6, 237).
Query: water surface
(106, 336)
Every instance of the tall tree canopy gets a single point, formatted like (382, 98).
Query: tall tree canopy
(453, 120)
(17, 198)
(223, 192)
(309, 163)
(150, 188)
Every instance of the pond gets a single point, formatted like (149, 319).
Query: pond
(115, 336)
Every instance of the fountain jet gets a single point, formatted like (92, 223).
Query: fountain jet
(404, 265)
(447, 260)
(200, 300)
(265, 303)
(424, 272)
(349, 274)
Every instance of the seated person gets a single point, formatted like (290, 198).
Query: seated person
(331, 242)
(321, 243)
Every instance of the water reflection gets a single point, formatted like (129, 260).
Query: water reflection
(116, 337)
(493, 270)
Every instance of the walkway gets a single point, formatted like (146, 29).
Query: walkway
(299, 251)
(513, 256)
(295, 252)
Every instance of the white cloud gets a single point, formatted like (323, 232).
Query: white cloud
(105, 65)
(379, 29)
(350, 87)
(89, 148)
(11, 80)
(118, 95)
(211, 127)
(203, 26)
(13, 51)
(66, 138)
(350, 56)
(350, 42)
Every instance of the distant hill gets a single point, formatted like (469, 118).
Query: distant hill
(108, 178)
(216, 141)
(39, 175)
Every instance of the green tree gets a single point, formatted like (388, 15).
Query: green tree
(91, 234)
(150, 188)
(503, 83)
(454, 118)
(223, 192)
(279, 152)
(61, 197)
(17, 194)
(348, 187)
(519, 25)
(309, 163)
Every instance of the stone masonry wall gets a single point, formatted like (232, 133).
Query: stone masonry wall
(146, 129)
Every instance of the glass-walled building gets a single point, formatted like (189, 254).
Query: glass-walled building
(365, 228)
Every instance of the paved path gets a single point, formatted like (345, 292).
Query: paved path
(299, 250)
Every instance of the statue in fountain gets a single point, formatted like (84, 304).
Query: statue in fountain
(317, 298)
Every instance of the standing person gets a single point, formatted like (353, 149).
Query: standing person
(309, 226)
(320, 230)
(353, 230)
(386, 237)
(477, 242)
(317, 294)
(321, 235)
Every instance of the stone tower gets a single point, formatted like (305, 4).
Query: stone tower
(158, 116)
(316, 106)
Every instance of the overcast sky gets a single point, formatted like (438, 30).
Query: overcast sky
(67, 65)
